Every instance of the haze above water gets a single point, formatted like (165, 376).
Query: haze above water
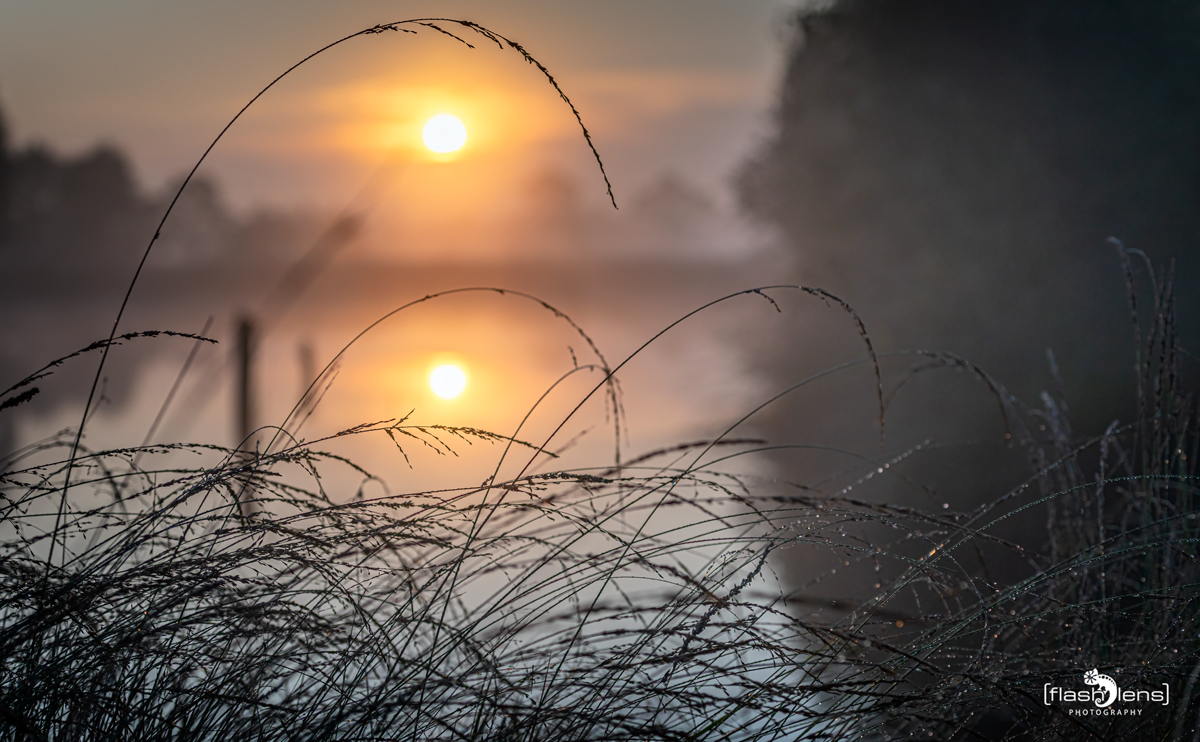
(675, 96)
(953, 171)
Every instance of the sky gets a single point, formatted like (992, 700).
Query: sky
(676, 88)
(677, 95)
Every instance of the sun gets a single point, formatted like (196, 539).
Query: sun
(444, 134)
(448, 380)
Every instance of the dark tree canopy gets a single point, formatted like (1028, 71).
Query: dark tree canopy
(954, 169)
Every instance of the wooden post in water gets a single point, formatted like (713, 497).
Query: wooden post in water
(244, 414)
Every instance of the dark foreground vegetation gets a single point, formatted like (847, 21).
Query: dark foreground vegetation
(620, 602)
(193, 592)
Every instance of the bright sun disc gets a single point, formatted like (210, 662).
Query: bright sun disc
(444, 134)
(448, 381)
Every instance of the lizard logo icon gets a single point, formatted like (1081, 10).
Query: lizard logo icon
(1093, 677)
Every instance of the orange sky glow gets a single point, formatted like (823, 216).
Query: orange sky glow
(674, 100)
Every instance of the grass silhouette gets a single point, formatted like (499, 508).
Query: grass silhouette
(628, 600)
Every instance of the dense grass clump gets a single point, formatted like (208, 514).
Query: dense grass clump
(561, 605)
(1111, 586)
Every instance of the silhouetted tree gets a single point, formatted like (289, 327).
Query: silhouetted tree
(953, 170)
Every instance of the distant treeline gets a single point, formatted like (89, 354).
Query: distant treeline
(87, 214)
(72, 230)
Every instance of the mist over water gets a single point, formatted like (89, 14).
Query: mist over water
(310, 281)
